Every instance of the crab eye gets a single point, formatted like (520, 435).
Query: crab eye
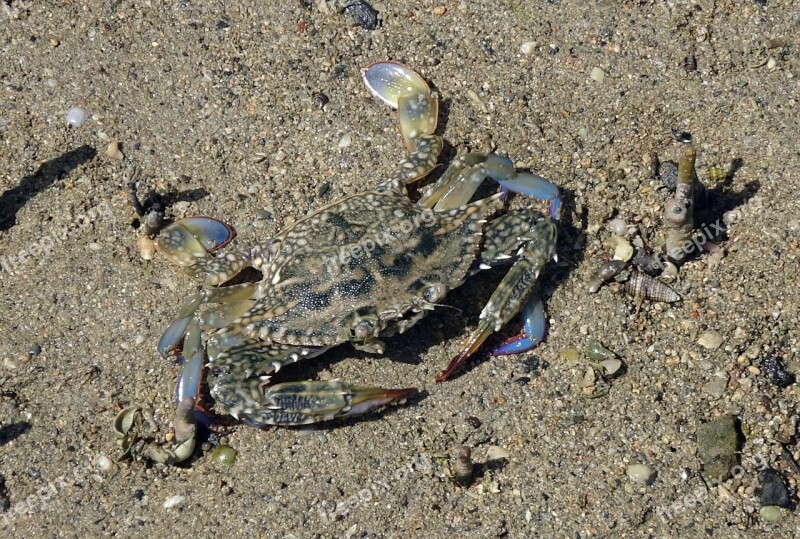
(434, 293)
(363, 329)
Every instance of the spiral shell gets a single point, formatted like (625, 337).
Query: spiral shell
(641, 285)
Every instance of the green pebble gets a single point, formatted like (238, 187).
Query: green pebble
(770, 513)
(570, 356)
(597, 352)
(223, 455)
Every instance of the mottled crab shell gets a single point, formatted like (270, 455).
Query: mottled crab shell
(363, 267)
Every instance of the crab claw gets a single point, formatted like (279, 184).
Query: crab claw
(189, 240)
(470, 347)
(532, 330)
(403, 89)
(501, 170)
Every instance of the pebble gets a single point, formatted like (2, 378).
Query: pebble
(345, 141)
(718, 445)
(598, 75)
(104, 463)
(717, 385)
(570, 356)
(597, 352)
(75, 117)
(773, 367)
(641, 473)
(770, 513)
(618, 227)
(439, 11)
(528, 48)
(611, 366)
(772, 489)
(710, 340)
(172, 501)
(495, 452)
(223, 455)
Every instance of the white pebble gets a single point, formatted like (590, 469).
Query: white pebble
(710, 340)
(104, 463)
(75, 117)
(495, 452)
(527, 48)
(640, 473)
(618, 227)
(172, 501)
(598, 75)
(345, 141)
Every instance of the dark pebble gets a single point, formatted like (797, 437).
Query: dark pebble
(772, 489)
(668, 172)
(474, 422)
(138, 494)
(363, 14)
(522, 380)
(777, 373)
(34, 473)
(321, 99)
(35, 350)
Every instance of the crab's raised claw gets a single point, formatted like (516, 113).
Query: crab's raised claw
(403, 89)
(302, 403)
(532, 329)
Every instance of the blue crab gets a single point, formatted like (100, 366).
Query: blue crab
(365, 267)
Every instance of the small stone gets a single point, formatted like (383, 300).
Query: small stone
(772, 489)
(770, 513)
(75, 117)
(172, 501)
(345, 141)
(618, 227)
(710, 340)
(598, 75)
(223, 455)
(773, 367)
(54, 42)
(641, 473)
(570, 356)
(624, 250)
(439, 11)
(495, 452)
(104, 463)
(718, 446)
(717, 385)
(528, 48)
(114, 152)
(611, 366)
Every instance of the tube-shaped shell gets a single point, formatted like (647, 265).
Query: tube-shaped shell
(641, 285)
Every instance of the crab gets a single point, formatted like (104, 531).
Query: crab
(360, 269)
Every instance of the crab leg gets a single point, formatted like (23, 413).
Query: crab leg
(513, 293)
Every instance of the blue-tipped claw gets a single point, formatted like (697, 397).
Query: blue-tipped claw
(532, 330)
(529, 184)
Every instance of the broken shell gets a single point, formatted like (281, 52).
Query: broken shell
(624, 250)
(611, 366)
(641, 285)
(124, 420)
(670, 273)
(114, 151)
(147, 248)
(606, 272)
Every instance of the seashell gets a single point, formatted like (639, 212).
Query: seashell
(641, 285)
